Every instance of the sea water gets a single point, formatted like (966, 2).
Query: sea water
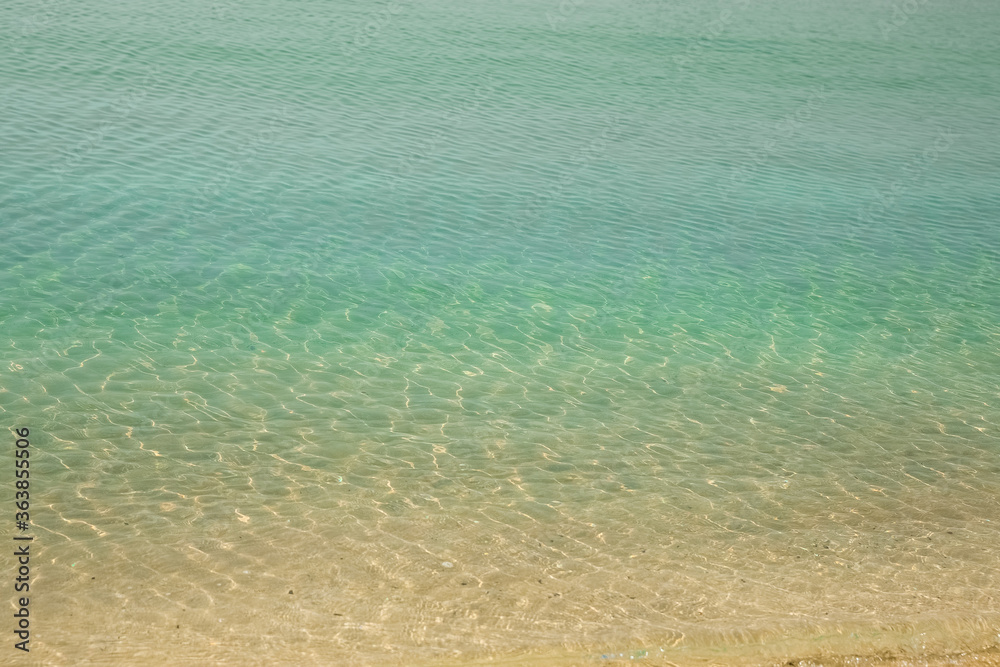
(428, 331)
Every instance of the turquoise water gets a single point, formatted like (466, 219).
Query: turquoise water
(430, 331)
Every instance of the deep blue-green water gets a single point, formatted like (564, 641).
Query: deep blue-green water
(426, 330)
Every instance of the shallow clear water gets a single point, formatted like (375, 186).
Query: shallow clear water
(434, 330)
